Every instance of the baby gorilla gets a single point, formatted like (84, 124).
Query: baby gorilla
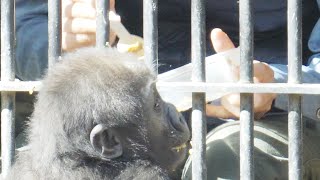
(99, 116)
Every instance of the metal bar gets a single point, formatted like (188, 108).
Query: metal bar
(102, 23)
(246, 137)
(294, 41)
(279, 88)
(30, 86)
(199, 126)
(294, 76)
(295, 137)
(7, 74)
(7, 40)
(54, 31)
(202, 87)
(199, 130)
(150, 33)
(246, 76)
(7, 131)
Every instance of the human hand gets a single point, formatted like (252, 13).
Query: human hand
(79, 24)
(230, 104)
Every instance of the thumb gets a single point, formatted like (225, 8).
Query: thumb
(220, 40)
(219, 112)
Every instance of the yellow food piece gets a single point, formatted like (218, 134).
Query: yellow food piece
(31, 90)
(178, 148)
(135, 47)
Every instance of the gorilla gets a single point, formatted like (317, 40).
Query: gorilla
(98, 115)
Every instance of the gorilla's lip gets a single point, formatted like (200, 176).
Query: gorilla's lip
(179, 147)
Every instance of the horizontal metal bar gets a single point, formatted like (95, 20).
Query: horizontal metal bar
(281, 88)
(20, 86)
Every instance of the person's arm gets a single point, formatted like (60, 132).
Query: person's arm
(310, 74)
(31, 38)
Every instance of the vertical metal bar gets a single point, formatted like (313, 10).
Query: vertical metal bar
(199, 128)
(294, 76)
(54, 31)
(102, 23)
(150, 33)
(246, 76)
(7, 74)
(295, 137)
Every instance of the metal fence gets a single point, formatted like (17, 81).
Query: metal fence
(8, 85)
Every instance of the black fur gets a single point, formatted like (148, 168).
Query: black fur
(93, 87)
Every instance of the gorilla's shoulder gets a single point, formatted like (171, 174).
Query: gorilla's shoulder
(143, 170)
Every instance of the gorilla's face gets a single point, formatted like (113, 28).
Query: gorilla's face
(167, 130)
(155, 131)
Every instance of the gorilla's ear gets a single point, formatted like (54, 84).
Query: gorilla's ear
(105, 141)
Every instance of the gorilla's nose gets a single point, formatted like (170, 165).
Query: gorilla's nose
(177, 121)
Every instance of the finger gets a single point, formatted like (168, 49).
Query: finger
(78, 25)
(219, 112)
(262, 72)
(259, 113)
(220, 40)
(90, 2)
(112, 5)
(79, 10)
(263, 102)
(232, 104)
(93, 3)
(72, 41)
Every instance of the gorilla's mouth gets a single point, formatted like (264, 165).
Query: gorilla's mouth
(179, 147)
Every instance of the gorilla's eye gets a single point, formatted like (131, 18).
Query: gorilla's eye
(157, 104)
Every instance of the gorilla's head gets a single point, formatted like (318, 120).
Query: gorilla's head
(99, 107)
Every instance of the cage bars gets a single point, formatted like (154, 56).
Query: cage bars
(294, 88)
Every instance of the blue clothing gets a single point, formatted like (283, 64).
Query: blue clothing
(32, 41)
(175, 28)
(310, 74)
(175, 37)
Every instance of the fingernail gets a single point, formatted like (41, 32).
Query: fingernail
(215, 32)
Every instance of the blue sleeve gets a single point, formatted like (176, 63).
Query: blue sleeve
(310, 74)
(31, 39)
